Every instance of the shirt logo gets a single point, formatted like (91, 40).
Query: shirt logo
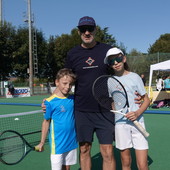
(90, 61)
(62, 108)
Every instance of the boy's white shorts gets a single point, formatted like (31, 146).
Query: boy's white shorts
(128, 136)
(67, 158)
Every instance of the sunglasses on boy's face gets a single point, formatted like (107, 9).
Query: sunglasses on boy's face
(117, 59)
(83, 29)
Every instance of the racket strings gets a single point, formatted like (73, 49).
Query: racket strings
(114, 85)
(101, 94)
(109, 93)
(11, 147)
(119, 100)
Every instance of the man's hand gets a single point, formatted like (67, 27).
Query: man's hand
(138, 99)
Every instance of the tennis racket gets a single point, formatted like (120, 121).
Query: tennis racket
(13, 147)
(111, 94)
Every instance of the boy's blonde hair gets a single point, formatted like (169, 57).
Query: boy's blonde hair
(65, 72)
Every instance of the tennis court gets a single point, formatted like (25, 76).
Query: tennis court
(157, 125)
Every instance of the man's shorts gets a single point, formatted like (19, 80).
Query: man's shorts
(102, 123)
(128, 136)
(67, 158)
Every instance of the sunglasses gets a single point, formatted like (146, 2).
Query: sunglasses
(83, 29)
(117, 59)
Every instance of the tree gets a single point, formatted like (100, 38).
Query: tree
(21, 53)
(161, 45)
(57, 51)
(7, 48)
(42, 51)
(136, 61)
(50, 65)
(102, 35)
(139, 63)
(134, 52)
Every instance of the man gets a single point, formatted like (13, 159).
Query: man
(11, 88)
(87, 62)
(143, 79)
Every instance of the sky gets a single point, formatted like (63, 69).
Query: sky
(135, 23)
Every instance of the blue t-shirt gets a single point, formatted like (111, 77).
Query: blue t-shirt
(87, 64)
(62, 133)
(132, 82)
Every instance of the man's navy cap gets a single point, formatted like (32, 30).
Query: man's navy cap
(86, 21)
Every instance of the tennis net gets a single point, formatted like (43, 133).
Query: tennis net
(27, 123)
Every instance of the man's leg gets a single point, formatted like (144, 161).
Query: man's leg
(109, 162)
(85, 157)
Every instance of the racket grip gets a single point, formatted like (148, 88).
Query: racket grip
(141, 128)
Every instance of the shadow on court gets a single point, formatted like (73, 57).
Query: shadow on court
(97, 160)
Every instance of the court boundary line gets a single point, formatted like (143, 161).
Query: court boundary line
(156, 112)
(21, 104)
(20, 114)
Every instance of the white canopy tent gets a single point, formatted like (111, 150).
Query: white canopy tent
(162, 66)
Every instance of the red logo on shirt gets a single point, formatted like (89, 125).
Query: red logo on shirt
(90, 61)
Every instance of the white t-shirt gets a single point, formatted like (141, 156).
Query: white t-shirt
(159, 84)
(132, 82)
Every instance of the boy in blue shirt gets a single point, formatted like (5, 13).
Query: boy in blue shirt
(59, 121)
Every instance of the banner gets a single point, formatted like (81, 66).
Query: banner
(18, 92)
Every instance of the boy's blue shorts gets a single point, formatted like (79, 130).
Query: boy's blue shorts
(102, 123)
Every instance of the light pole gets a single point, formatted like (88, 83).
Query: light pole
(30, 49)
(0, 12)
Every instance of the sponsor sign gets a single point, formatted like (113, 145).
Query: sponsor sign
(18, 92)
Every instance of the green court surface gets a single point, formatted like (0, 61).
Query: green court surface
(33, 99)
(157, 125)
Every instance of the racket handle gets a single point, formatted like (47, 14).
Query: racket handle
(141, 128)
